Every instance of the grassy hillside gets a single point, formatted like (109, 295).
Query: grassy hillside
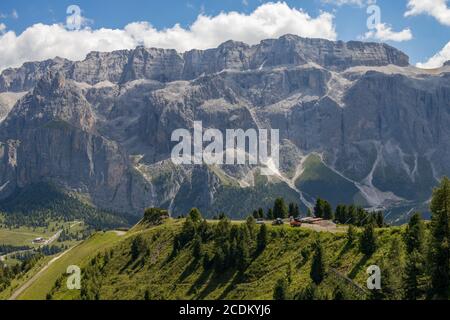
(110, 271)
(318, 180)
(78, 255)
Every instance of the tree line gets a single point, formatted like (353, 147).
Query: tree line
(425, 273)
(343, 214)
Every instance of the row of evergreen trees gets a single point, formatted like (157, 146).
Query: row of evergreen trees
(344, 214)
(279, 211)
(348, 214)
(426, 271)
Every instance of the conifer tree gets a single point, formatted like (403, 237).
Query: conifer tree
(413, 281)
(415, 234)
(260, 213)
(340, 215)
(279, 209)
(327, 211)
(280, 290)
(270, 215)
(262, 239)
(296, 211)
(351, 234)
(138, 246)
(289, 273)
(380, 219)
(392, 271)
(439, 259)
(318, 265)
(368, 240)
(243, 251)
(351, 215)
(318, 208)
(195, 215)
(251, 226)
(197, 247)
(291, 210)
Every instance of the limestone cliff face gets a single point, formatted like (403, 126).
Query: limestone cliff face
(51, 135)
(169, 65)
(353, 117)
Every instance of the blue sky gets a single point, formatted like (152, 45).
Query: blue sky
(425, 31)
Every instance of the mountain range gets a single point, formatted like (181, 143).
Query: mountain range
(358, 124)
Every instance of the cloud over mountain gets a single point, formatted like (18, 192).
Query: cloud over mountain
(438, 59)
(269, 20)
(384, 32)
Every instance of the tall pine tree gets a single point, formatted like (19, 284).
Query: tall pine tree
(318, 208)
(327, 211)
(280, 290)
(368, 240)
(318, 265)
(413, 280)
(262, 239)
(439, 259)
(279, 209)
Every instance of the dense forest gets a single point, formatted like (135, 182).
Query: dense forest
(39, 204)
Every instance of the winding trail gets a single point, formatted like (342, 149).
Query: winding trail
(33, 279)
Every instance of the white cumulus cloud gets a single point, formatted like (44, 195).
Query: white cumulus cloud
(269, 20)
(438, 59)
(438, 9)
(384, 32)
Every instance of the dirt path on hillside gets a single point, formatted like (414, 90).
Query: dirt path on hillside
(33, 279)
(319, 228)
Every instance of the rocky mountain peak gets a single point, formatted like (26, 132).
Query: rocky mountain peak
(51, 82)
(103, 125)
(447, 63)
(232, 45)
(166, 65)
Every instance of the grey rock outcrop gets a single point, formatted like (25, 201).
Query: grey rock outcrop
(168, 65)
(352, 116)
